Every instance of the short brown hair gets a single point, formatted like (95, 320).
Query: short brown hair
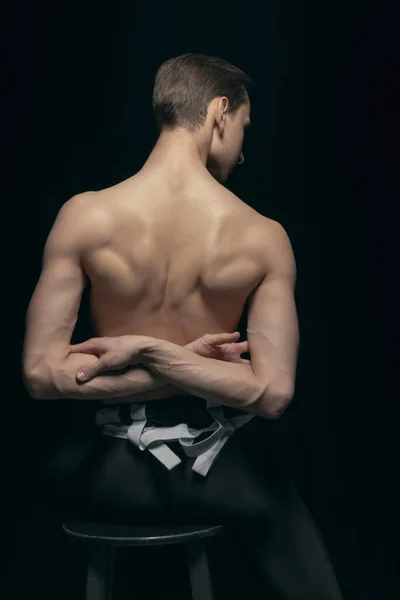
(184, 87)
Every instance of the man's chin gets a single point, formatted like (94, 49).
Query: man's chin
(226, 175)
(221, 177)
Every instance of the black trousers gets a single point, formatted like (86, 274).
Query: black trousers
(247, 490)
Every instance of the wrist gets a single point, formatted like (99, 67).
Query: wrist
(144, 348)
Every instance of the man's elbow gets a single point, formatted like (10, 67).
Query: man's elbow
(276, 408)
(37, 385)
(32, 384)
(273, 403)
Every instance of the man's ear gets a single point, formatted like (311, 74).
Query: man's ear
(221, 113)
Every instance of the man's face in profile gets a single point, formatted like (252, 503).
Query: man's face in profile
(226, 147)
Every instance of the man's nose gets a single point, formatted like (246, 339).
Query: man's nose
(241, 159)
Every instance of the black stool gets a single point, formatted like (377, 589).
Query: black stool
(103, 539)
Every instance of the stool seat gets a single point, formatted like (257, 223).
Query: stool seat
(139, 535)
(103, 538)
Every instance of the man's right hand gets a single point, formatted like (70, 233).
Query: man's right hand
(220, 346)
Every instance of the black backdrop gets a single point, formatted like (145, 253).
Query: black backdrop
(320, 159)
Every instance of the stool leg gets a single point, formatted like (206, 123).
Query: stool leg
(196, 554)
(100, 572)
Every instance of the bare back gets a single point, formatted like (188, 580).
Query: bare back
(179, 261)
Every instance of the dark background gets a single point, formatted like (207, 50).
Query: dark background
(319, 159)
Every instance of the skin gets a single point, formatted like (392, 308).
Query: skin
(171, 255)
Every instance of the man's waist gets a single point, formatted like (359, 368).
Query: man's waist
(169, 412)
(178, 409)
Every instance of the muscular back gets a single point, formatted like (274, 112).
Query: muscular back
(168, 256)
(177, 260)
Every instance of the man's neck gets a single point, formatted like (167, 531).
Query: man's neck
(179, 150)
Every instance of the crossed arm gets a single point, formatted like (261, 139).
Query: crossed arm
(49, 367)
(265, 386)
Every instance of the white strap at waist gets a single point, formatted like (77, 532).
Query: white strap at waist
(153, 438)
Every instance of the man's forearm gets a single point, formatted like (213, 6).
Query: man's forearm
(231, 384)
(57, 380)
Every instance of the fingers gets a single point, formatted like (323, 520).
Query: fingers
(240, 347)
(92, 346)
(243, 346)
(87, 373)
(216, 339)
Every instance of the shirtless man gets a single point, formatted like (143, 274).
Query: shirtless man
(172, 256)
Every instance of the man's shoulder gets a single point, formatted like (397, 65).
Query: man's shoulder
(260, 222)
(261, 227)
(87, 218)
(274, 228)
(266, 227)
(278, 249)
(85, 203)
(260, 230)
(269, 241)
